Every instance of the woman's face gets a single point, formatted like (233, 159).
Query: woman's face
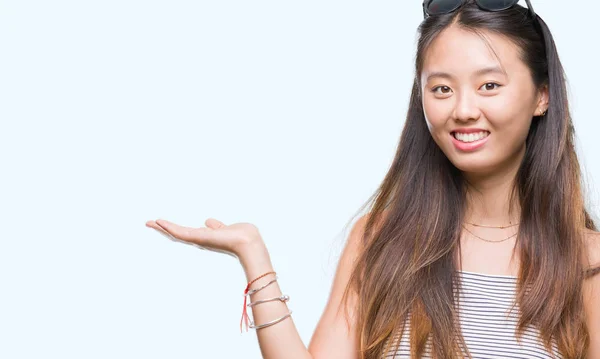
(479, 107)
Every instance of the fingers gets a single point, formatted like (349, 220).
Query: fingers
(188, 235)
(162, 231)
(214, 224)
(177, 231)
(152, 224)
(197, 237)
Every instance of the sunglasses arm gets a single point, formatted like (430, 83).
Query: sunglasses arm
(531, 10)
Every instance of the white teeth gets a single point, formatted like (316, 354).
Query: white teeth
(471, 137)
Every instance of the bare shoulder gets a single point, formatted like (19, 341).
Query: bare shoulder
(356, 237)
(335, 334)
(592, 239)
(592, 293)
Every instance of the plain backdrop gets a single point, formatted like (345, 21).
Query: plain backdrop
(282, 114)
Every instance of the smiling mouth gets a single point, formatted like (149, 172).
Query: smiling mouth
(470, 137)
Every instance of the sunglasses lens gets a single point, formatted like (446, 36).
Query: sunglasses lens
(437, 7)
(496, 5)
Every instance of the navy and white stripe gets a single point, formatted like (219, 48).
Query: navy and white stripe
(488, 321)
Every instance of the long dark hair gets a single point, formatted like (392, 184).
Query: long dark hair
(413, 228)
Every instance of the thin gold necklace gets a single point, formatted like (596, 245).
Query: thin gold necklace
(482, 225)
(488, 240)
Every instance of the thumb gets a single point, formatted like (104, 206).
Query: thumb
(214, 224)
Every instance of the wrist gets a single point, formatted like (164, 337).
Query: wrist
(255, 260)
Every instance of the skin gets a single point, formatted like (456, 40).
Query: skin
(458, 92)
(466, 99)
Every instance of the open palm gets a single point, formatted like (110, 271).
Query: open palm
(216, 236)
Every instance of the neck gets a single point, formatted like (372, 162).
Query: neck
(488, 195)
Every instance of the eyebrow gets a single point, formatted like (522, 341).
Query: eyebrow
(480, 72)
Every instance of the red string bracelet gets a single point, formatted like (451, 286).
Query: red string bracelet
(245, 312)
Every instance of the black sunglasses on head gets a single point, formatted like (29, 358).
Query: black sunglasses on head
(438, 7)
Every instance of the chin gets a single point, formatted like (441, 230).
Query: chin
(478, 165)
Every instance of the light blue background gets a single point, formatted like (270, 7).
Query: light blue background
(282, 114)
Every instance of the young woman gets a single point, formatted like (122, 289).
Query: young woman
(478, 243)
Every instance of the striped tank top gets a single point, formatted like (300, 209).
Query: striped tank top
(487, 322)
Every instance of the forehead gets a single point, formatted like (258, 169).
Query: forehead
(462, 52)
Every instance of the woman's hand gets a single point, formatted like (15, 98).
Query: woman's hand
(216, 236)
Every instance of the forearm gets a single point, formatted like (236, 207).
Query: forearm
(279, 340)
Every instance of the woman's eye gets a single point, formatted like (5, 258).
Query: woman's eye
(444, 89)
(490, 86)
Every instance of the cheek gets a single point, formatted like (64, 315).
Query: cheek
(510, 122)
(511, 111)
(435, 116)
(512, 131)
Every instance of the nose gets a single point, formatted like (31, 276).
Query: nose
(466, 107)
